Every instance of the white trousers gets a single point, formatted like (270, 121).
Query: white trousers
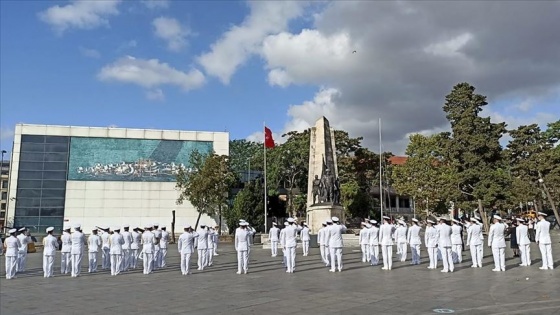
(387, 252)
(476, 255)
(525, 253)
(65, 261)
(365, 252)
(323, 250)
(48, 266)
(202, 256)
(290, 258)
(92, 262)
(210, 258)
(11, 266)
(447, 258)
(125, 259)
(242, 261)
(284, 255)
(432, 254)
(402, 251)
(134, 258)
(215, 249)
(76, 264)
(336, 256)
(374, 254)
(185, 263)
(274, 248)
(116, 262)
(21, 261)
(499, 254)
(162, 257)
(305, 248)
(546, 254)
(457, 252)
(157, 258)
(105, 258)
(415, 251)
(148, 262)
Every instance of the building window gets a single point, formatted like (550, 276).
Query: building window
(4, 195)
(4, 184)
(2, 206)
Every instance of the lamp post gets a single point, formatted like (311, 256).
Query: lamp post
(541, 181)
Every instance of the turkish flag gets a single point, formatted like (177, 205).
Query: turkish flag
(268, 140)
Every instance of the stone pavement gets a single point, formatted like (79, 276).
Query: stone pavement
(267, 289)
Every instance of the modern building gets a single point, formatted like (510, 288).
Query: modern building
(102, 176)
(4, 171)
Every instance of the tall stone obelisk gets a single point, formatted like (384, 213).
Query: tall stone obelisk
(323, 189)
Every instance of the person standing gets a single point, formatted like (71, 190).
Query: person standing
(66, 256)
(126, 248)
(78, 241)
(445, 245)
(105, 249)
(431, 238)
(202, 246)
(386, 240)
(413, 239)
(210, 251)
(148, 243)
(542, 237)
(163, 243)
(475, 240)
(24, 239)
(186, 248)
(283, 243)
(334, 239)
(94, 243)
(116, 242)
(400, 237)
(456, 241)
(157, 252)
(497, 241)
(374, 243)
(242, 236)
(50, 244)
(273, 237)
(522, 235)
(290, 242)
(363, 239)
(321, 242)
(216, 240)
(12, 244)
(305, 238)
(135, 247)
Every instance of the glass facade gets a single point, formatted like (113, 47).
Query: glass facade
(41, 184)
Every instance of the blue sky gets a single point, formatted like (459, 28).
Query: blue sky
(226, 65)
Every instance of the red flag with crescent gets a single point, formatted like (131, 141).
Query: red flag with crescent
(268, 140)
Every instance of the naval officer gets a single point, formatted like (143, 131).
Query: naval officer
(50, 244)
(445, 244)
(431, 239)
(363, 240)
(210, 252)
(126, 247)
(116, 242)
(400, 238)
(148, 243)
(12, 244)
(290, 242)
(321, 237)
(135, 247)
(374, 243)
(186, 248)
(65, 252)
(542, 237)
(24, 239)
(282, 240)
(105, 249)
(242, 236)
(522, 234)
(475, 240)
(163, 243)
(273, 237)
(413, 238)
(497, 241)
(77, 251)
(202, 246)
(305, 238)
(94, 243)
(334, 239)
(386, 240)
(456, 241)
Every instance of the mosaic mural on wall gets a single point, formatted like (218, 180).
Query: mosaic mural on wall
(111, 159)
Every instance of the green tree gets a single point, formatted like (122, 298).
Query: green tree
(245, 154)
(206, 184)
(248, 205)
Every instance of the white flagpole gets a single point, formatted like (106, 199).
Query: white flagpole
(265, 194)
(380, 173)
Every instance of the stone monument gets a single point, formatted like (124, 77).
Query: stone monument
(323, 189)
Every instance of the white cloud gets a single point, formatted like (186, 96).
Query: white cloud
(451, 47)
(172, 32)
(150, 73)
(155, 95)
(80, 14)
(90, 53)
(240, 42)
(156, 4)
(127, 45)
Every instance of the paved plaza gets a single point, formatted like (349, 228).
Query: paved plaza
(267, 289)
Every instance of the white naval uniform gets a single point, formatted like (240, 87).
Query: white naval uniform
(475, 240)
(148, 240)
(163, 243)
(157, 251)
(364, 243)
(105, 251)
(12, 249)
(431, 238)
(283, 245)
(135, 249)
(65, 253)
(202, 246)
(305, 238)
(186, 249)
(116, 242)
(400, 238)
(386, 241)
(22, 254)
(334, 239)
(50, 244)
(414, 240)
(273, 237)
(210, 251)
(242, 247)
(497, 240)
(127, 237)
(374, 245)
(290, 235)
(444, 245)
(323, 246)
(456, 243)
(78, 240)
(542, 237)
(522, 234)
(94, 243)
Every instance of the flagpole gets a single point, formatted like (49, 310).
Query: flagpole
(380, 172)
(265, 194)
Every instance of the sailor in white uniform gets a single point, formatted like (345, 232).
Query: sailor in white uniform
(401, 238)
(413, 239)
(65, 252)
(363, 239)
(105, 249)
(431, 238)
(157, 253)
(290, 236)
(242, 236)
(24, 239)
(50, 245)
(94, 243)
(78, 242)
(148, 243)
(542, 237)
(386, 240)
(305, 238)
(210, 252)
(216, 240)
(135, 247)
(12, 244)
(202, 246)
(273, 237)
(163, 243)
(522, 234)
(127, 253)
(445, 244)
(374, 243)
(456, 241)
(475, 241)
(186, 248)
(497, 241)
(116, 242)
(282, 240)
(334, 239)
(321, 241)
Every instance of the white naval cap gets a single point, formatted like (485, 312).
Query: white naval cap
(187, 226)
(542, 214)
(11, 231)
(66, 227)
(520, 220)
(368, 225)
(244, 223)
(163, 227)
(286, 223)
(329, 221)
(274, 223)
(22, 229)
(334, 219)
(430, 221)
(497, 217)
(291, 220)
(401, 222)
(363, 223)
(386, 217)
(148, 226)
(50, 229)
(373, 221)
(116, 228)
(473, 219)
(415, 220)
(305, 224)
(456, 221)
(156, 224)
(126, 226)
(77, 226)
